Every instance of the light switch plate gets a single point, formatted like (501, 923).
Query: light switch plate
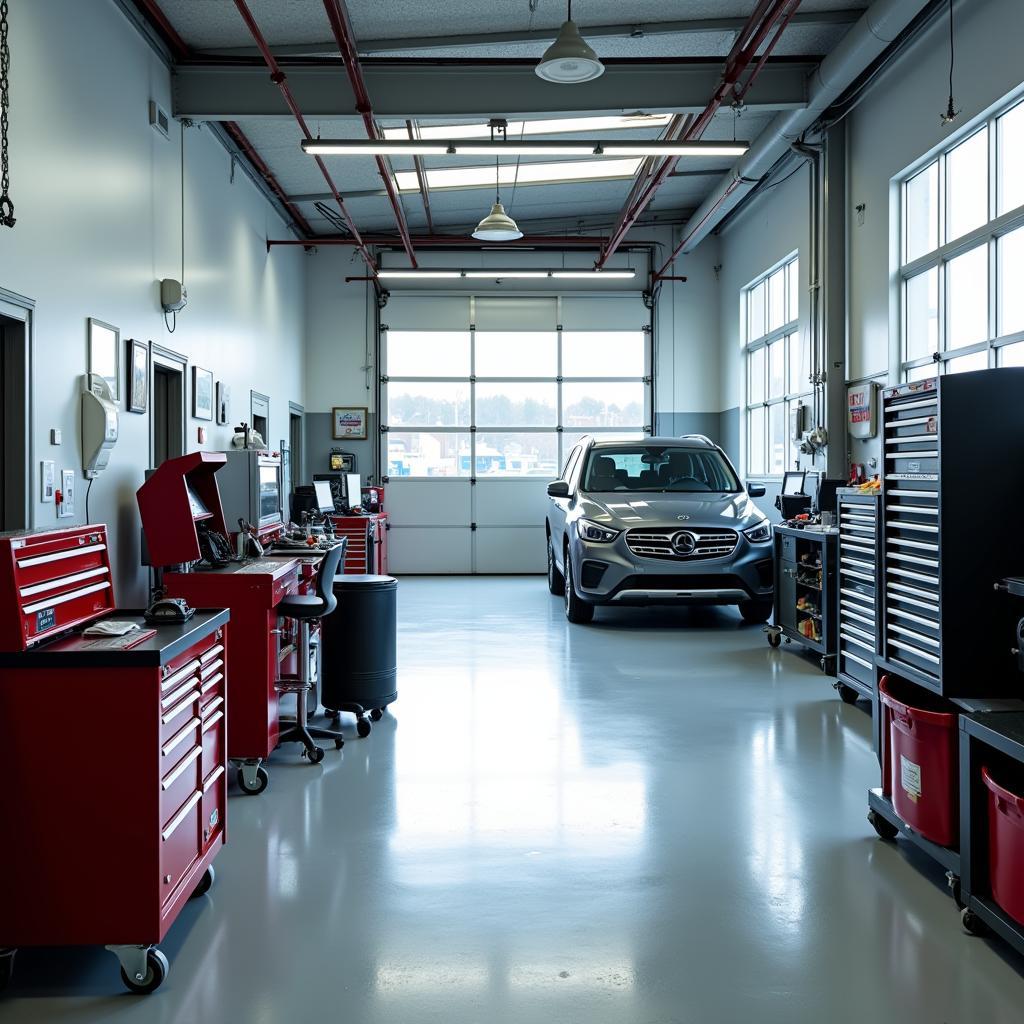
(66, 509)
(47, 480)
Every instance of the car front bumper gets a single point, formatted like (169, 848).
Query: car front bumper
(612, 574)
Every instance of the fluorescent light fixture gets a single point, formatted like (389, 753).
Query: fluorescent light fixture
(529, 174)
(609, 148)
(548, 126)
(519, 275)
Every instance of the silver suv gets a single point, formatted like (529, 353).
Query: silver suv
(658, 521)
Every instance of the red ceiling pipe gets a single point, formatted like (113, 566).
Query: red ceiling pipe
(278, 77)
(757, 29)
(341, 26)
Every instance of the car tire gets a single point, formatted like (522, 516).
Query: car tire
(556, 581)
(756, 611)
(576, 610)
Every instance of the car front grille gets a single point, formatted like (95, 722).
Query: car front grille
(662, 543)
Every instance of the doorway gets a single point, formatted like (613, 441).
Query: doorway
(167, 423)
(259, 415)
(296, 442)
(15, 376)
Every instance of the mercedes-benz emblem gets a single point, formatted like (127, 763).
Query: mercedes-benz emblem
(684, 543)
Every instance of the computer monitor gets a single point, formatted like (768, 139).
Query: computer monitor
(354, 490)
(324, 498)
(793, 483)
(827, 493)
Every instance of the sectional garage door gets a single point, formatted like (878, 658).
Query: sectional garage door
(482, 399)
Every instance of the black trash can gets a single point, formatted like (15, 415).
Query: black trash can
(359, 670)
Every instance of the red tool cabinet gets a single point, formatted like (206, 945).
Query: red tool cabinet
(107, 840)
(367, 552)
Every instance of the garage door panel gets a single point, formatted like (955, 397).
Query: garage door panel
(511, 502)
(429, 502)
(430, 550)
(510, 550)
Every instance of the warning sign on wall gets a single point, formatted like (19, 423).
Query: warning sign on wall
(861, 406)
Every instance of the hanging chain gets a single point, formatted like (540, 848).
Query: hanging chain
(6, 205)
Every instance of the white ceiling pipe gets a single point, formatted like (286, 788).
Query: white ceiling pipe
(869, 38)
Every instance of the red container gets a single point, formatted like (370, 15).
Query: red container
(921, 759)
(1005, 846)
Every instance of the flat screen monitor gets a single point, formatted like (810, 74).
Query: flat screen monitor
(793, 483)
(324, 498)
(354, 490)
(827, 493)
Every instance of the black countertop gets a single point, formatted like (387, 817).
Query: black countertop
(76, 651)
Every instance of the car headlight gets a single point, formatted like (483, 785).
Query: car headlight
(760, 534)
(594, 532)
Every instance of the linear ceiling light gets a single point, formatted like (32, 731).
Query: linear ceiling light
(525, 147)
(548, 126)
(523, 275)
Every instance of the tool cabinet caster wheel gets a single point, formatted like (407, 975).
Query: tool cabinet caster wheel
(205, 883)
(363, 727)
(316, 755)
(972, 924)
(6, 967)
(377, 714)
(774, 640)
(885, 829)
(339, 743)
(847, 694)
(157, 969)
(955, 890)
(262, 780)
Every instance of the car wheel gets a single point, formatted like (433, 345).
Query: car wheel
(556, 581)
(756, 611)
(576, 610)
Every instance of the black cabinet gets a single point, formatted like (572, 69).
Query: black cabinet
(858, 593)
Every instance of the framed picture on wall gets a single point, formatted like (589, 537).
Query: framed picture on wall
(223, 402)
(202, 393)
(349, 423)
(138, 375)
(105, 354)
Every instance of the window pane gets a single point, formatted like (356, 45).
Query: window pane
(777, 369)
(1012, 355)
(777, 443)
(921, 196)
(967, 298)
(922, 315)
(799, 363)
(975, 361)
(603, 405)
(1010, 140)
(793, 270)
(499, 454)
(1011, 278)
(967, 186)
(428, 353)
(756, 383)
(517, 405)
(419, 454)
(922, 372)
(602, 354)
(756, 441)
(516, 354)
(755, 313)
(777, 299)
(440, 404)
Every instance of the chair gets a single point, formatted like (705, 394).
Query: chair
(307, 609)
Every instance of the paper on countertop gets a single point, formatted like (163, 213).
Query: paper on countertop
(110, 627)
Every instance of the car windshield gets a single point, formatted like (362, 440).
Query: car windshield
(657, 468)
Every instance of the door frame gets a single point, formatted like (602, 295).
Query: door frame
(178, 362)
(20, 307)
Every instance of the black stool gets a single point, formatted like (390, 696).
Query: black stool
(306, 609)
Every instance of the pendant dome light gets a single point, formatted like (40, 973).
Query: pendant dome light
(569, 59)
(497, 226)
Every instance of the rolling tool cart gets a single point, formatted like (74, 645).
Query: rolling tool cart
(858, 594)
(805, 591)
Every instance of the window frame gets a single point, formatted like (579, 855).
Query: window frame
(788, 334)
(987, 235)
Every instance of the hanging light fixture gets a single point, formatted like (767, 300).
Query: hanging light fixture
(569, 59)
(497, 226)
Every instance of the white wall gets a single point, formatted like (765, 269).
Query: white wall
(97, 197)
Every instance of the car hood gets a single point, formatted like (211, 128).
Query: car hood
(630, 510)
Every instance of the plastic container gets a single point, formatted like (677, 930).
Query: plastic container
(922, 759)
(1005, 846)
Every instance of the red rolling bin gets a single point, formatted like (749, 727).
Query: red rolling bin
(1005, 846)
(920, 763)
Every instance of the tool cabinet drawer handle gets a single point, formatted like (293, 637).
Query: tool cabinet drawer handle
(179, 737)
(173, 698)
(65, 598)
(189, 759)
(212, 666)
(181, 815)
(177, 709)
(60, 556)
(209, 710)
(210, 722)
(218, 772)
(209, 684)
(176, 677)
(856, 658)
(212, 652)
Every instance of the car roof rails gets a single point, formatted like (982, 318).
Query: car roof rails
(697, 437)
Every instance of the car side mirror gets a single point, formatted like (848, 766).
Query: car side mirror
(558, 489)
(756, 490)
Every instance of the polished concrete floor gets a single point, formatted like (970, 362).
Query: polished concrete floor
(651, 820)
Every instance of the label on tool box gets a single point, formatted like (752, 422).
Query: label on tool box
(910, 778)
(46, 619)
